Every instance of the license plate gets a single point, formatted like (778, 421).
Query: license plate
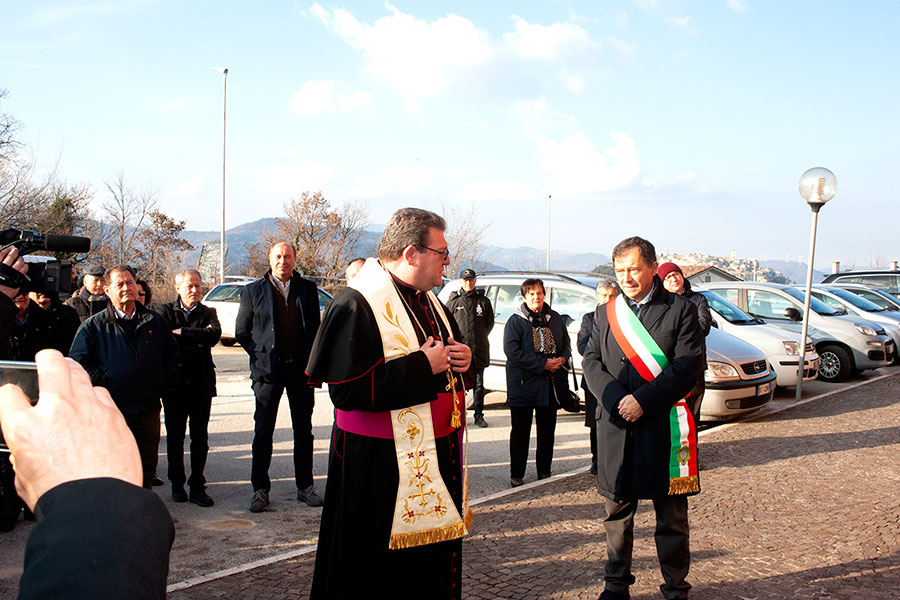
(764, 388)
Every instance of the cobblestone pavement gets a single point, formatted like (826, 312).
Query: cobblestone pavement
(801, 504)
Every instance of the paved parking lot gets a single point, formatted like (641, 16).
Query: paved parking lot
(799, 504)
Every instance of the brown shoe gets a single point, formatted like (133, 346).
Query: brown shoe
(516, 481)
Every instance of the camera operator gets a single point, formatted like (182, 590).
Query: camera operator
(99, 535)
(63, 319)
(10, 504)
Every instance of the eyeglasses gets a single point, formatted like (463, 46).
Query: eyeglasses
(142, 293)
(444, 253)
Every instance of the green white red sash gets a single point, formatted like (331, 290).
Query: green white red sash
(644, 353)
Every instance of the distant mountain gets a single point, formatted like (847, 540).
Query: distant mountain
(535, 259)
(795, 271)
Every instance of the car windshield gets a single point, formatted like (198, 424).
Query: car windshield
(814, 303)
(225, 293)
(857, 301)
(729, 311)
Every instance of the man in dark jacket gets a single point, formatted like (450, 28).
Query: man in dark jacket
(129, 350)
(673, 280)
(475, 317)
(196, 329)
(90, 299)
(646, 439)
(277, 324)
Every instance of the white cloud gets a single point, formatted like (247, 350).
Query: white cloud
(573, 81)
(174, 105)
(418, 57)
(547, 42)
(291, 152)
(290, 180)
(321, 97)
(687, 181)
(191, 187)
(683, 23)
(738, 5)
(625, 48)
(537, 115)
(577, 166)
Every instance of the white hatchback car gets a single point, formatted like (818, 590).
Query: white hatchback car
(738, 377)
(226, 299)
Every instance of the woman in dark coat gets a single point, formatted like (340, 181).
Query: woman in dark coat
(537, 345)
(674, 281)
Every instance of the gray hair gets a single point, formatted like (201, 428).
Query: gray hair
(607, 284)
(648, 252)
(181, 276)
(408, 227)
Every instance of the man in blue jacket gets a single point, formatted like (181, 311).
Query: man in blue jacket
(276, 324)
(129, 350)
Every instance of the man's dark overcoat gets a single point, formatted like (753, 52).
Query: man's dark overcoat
(200, 331)
(254, 327)
(633, 458)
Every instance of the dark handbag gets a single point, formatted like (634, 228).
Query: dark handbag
(567, 399)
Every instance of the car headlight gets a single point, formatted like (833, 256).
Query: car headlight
(866, 330)
(718, 371)
(791, 348)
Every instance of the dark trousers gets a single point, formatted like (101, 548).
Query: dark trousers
(696, 398)
(187, 405)
(520, 436)
(478, 394)
(145, 429)
(672, 544)
(300, 397)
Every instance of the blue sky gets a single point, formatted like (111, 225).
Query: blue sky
(686, 122)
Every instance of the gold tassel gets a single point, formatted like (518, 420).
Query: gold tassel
(431, 536)
(454, 416)
(684, 485)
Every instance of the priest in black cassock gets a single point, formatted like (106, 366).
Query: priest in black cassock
(395, 501)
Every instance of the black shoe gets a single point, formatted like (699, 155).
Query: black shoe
(178, 493)
(157, 481)
(593, 468)
(516, 481)
(200, 497)
(310, 496)
(260, 501)
(544, 475)
(611, 595)
(479, 420)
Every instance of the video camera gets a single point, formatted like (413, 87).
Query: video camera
(47, 277)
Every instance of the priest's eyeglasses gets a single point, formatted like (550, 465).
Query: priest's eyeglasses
(444, 253)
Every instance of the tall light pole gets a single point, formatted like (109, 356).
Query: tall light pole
(224, 73)
(548, 231)
(817, 186)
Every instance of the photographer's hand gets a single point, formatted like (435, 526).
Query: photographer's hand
(74, 432)
(10, 257)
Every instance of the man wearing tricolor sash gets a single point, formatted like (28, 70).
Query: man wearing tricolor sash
(396, 506)
(643, 358)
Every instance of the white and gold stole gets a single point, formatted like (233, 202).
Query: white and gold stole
(424, 512)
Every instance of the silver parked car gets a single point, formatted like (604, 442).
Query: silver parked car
(781, 347)
(226, 299)
(876, 295)
(738, 377)
(852, 304)
(845, 343)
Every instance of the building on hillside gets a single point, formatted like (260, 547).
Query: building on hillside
(701, 274)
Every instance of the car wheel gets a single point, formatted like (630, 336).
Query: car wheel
(227, 342)
(835, 364)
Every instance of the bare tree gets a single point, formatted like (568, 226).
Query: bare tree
(126, 212)
(324, 237)
(876, 260)
(9, 127)
(464, 238)
(161, 247)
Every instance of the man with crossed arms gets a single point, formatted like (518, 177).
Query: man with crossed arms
(639, 406)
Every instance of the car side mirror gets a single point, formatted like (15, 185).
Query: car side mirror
(567, 320)
(793, 314)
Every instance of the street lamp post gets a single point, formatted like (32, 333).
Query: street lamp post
(817, 186)
(224, 73)
(548, 231)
